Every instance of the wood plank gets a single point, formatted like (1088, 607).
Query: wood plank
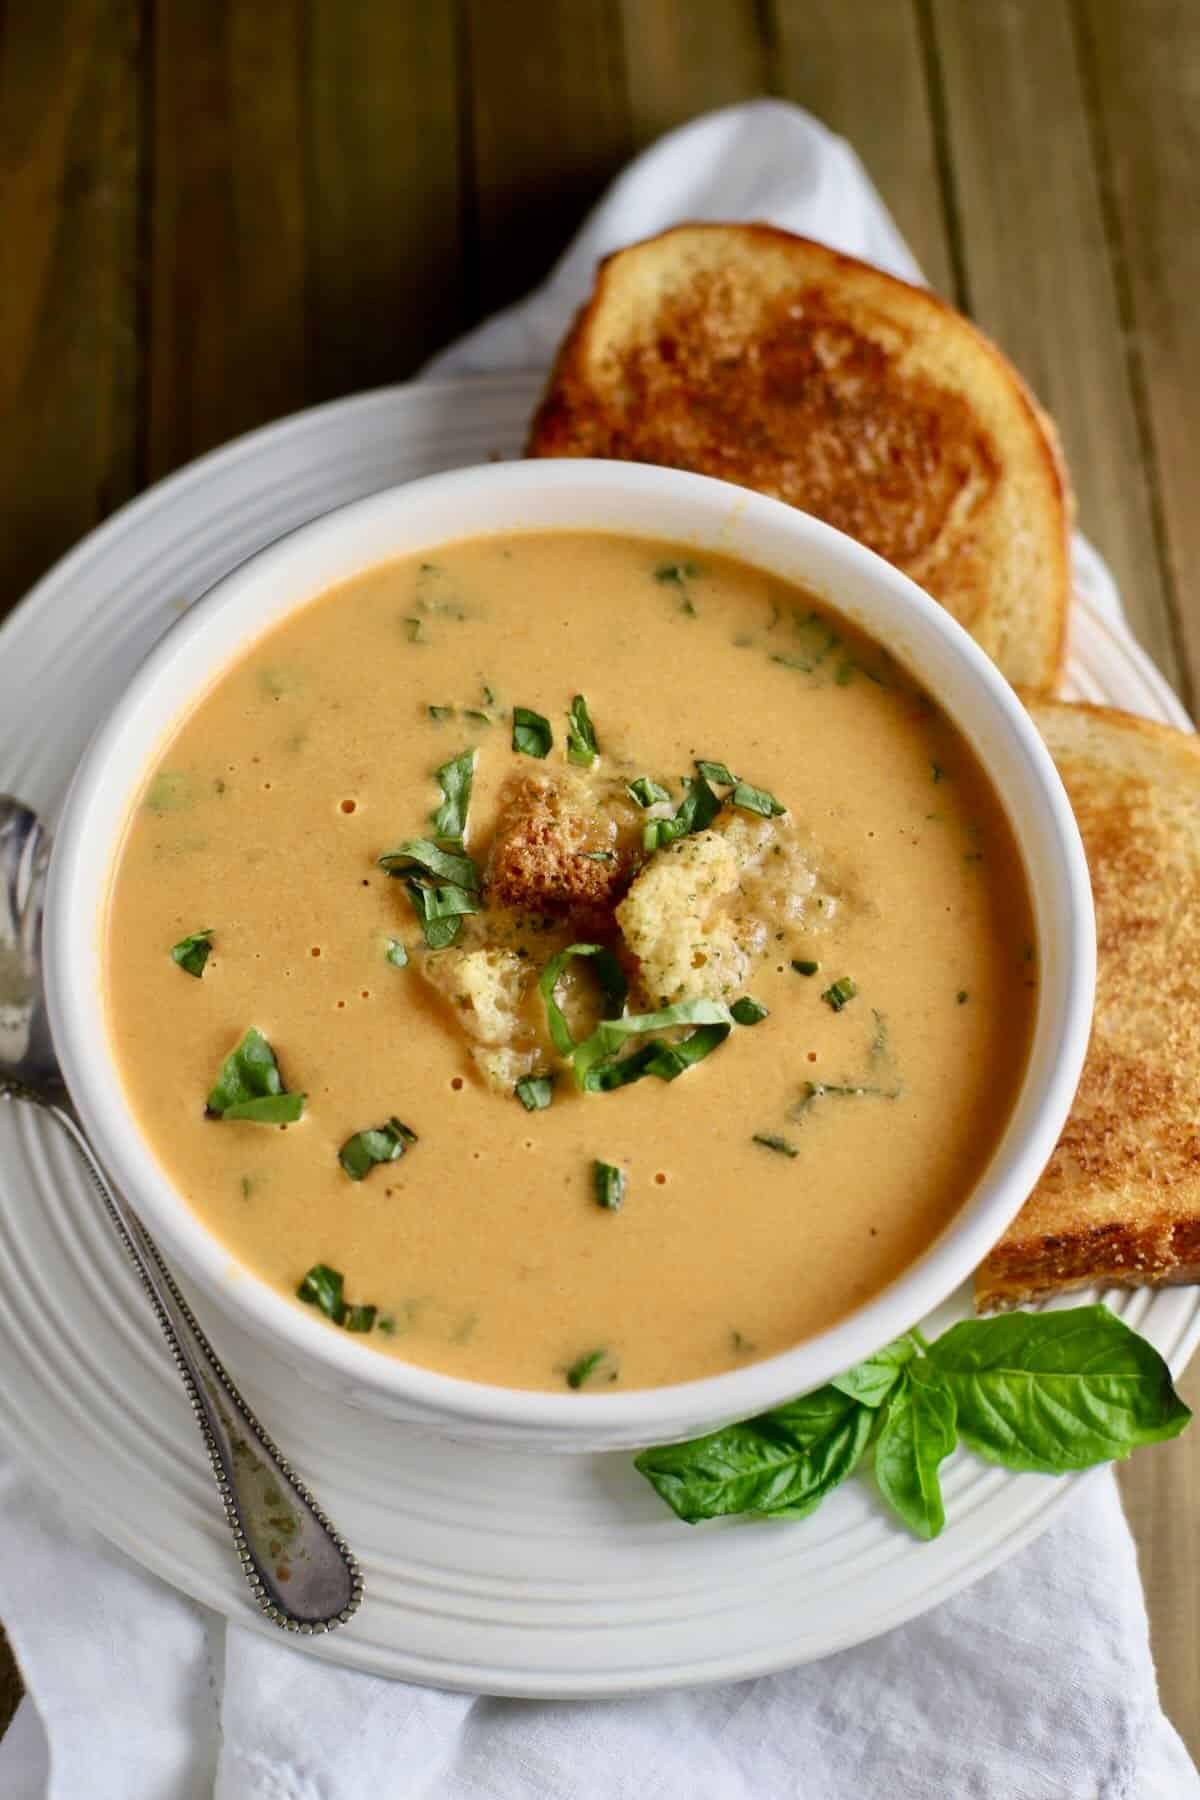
(862, 70)
(386, 264)
(1160, 1489)
(69, 169)
(1039, 274)
(1143, 70)
(227, 311)
(549, 128)
(682, 59)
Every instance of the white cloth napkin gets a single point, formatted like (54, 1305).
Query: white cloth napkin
(1035, 1683)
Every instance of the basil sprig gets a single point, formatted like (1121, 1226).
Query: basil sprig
(378, 1144)
(191, 952)
(1051, 1392)
(582, 748)
(250, 1087)
(531, 733)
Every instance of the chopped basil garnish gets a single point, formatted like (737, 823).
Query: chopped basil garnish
(531, 733)
(770, 1141)
(451, 866)
(646, 792)
(608, 1185)
(752, 799)
(803, 967)
(599, 1068)
(581, 735)
(938, 772)
(717, 773)
(416, 630)
(963, 996)
(697, 810)
(587, 1365)
(250, 1087)
(441, 911)
(191, 953)
(748, 1011)
(840, 992)
(535, 1092)
(379, 1144)
(676, 573)
(454, 778)
(358, 1318)
(600, 855)
(397, 953)
(480, 718)
(322, 1288)
(441, 712)
(612, 981)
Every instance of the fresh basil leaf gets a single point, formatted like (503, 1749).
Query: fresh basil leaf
(717, 773)
(612, 982)
(594, 1053)
(268, 1109)
(359, 1318)
(755, 800)
(250, 1087)
(452, 866)
(872, 1381)
(771, 1140)
(531, 733)
(916, 1438)
(1057, 1390)
(440, 712)
(842, 990)
(803, 966)
(535, 1092)
(676, 573)
(454, 778)
(322, 1288)
(748, 1011)
(697, 810)
(581, 735)
(441, 911)
(608, 1185)
(379, 1144)
(191, 953)
(669, 1060)
(646, 792)
(782, 1463)
(584, 1366)
(397, 953)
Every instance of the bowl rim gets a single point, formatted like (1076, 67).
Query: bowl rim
(75, 905)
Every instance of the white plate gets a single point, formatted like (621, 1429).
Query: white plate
(486, 1570)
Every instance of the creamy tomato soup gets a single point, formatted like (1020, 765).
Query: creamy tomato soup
(391, 1090)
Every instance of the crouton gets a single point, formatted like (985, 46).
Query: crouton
(489, 989)
(559, 847)
(688, 944)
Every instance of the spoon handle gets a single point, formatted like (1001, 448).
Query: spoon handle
(300, 1570)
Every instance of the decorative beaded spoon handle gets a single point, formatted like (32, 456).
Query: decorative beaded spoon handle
(300, 1570)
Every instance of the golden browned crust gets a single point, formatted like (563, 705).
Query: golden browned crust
(553, 853)
(748, 353)
(1119, 1201)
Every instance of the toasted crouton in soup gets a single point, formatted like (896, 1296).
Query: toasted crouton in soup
(562, 845)
(748, 353)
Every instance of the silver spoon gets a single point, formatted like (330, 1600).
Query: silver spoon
(300, 1570)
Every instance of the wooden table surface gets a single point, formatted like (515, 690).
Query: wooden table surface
(217, 211)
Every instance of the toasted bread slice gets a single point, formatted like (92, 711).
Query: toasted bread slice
(1119, 1201)
(748, 353)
